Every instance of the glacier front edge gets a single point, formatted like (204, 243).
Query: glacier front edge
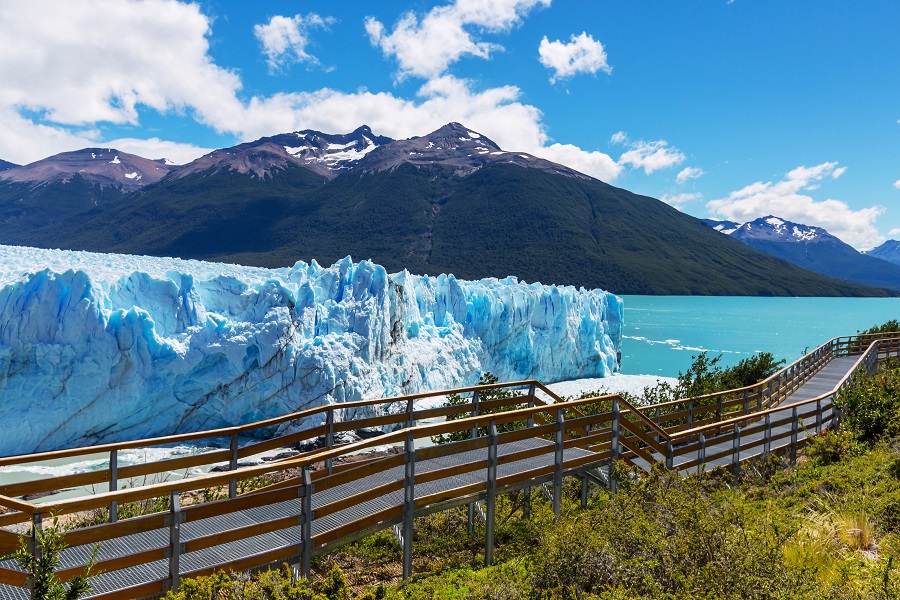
(99, 348)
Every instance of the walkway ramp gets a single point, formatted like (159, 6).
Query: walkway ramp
(508, 436)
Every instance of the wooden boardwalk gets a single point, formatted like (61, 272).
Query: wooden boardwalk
(526, 438)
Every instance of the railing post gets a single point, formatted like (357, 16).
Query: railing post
(306, 519)
(232, 485)
(767, 444)
(410, 409)
(531, 392)
(558, 462)
(34, 546)
(719, 409)
(584, 492)
(614, 442)
(470, 509)
(690, 416)
(747, 401)
(794, 429)
(818, 416)
(175, 516)
(657, 415)
(113, 484)
(409, 504)
(329, 437)
(736, 454)
(670, 458)
(490, 496)
(701, 452)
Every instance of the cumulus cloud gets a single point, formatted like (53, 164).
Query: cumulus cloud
(619, 137)
(59, 84)
(427, 46)
(284, 39)
(651, 156)
(689, 173)
(583, 54)
(897, 184)
(786, 199)
(679, 200)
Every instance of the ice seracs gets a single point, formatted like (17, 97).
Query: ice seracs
(101, 347)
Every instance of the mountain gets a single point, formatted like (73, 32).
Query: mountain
(889, 251)
(812, 248)
(5, 164)
(451, 201)
(55, 189)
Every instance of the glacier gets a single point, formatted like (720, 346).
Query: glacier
(99, 348)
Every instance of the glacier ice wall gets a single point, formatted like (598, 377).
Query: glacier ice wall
(98, 347)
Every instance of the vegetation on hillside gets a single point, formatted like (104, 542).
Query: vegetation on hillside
(501, 220)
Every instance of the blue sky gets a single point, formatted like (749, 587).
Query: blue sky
(732, 109)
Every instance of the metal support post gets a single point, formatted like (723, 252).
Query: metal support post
(794, 428)
(558, 462)
(410, 409)
(470, 509)
(306, 519)
(175, 515)
(113, 484)
(409, 504)
(767, 444)
(670, 456)
(701, 452)
(614, 442)
(818, 416)
(329, 438)
(531, 398)
(232, 465)
(584, 492)
(490, 496)
(736, 454)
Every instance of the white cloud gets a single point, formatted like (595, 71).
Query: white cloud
(785, 199)
(284, 39)
(689, 173)
(619, 137)
(426, 47)
(157, 148)
(897, 184)
(679, 200)
(73, 81)
(651, 156)
(893, 232)
(583, 54)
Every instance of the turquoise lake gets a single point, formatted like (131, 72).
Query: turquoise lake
(663, 333)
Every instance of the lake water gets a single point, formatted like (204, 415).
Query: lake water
(663, 333)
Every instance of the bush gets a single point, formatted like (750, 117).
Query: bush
(46, 585)
(830, 447)
(871, 406)
(280, 584)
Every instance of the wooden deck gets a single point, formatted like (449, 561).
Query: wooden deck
(528, 438)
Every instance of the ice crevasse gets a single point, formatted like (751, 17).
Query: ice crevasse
(99, 347)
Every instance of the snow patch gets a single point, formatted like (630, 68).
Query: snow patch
(473, 135)
(136, 176)
(341, 146)
(805, 236)
(115, 161)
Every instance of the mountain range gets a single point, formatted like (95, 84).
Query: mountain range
(450, 201)
(889, 251)
(812, 248)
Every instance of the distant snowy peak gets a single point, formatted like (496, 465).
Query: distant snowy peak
(458, 147)
(326, 154)
(453, 145)
(726, 227)
(774, 229)
(103, 166)
(889, 251)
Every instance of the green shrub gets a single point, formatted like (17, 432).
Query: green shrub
(871, 406)
(281, 584)
(42, 569)
(830, 447)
